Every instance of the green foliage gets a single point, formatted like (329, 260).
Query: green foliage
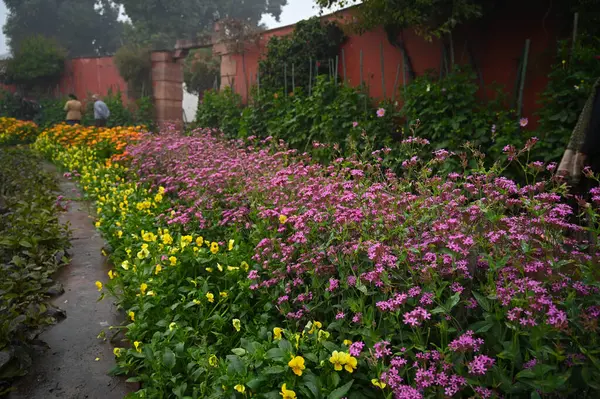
(570, 85)
(333, 119)
(448, 113)
(160, 23)
(220, 110)
(429, 18)
(200, 72)
(135, 67)
(32, 245)
(37, 63)
(83, 27)
(15, 106)
(313, 40)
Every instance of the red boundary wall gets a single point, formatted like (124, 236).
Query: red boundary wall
(496, 44)
(86, 76)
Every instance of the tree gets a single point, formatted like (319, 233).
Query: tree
(82, 27)
(201, 71)
(135, 67)
(428, 17)
(162, 22)
(38, 63)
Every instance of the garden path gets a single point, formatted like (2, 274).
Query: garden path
(77, 362)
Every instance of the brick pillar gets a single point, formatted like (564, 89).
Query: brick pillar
(167, 82)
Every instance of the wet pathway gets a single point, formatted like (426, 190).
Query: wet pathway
(69, 369)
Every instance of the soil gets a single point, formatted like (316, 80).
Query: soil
(77, 363)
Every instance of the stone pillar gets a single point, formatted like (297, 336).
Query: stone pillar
(167, 83)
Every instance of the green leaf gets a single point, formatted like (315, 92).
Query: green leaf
(168, 358)
(239, 351)
(341, 391)
(482, 301)
(25, 244)
(274, 370)
(236, 366)
(180, 390)
(275, 353)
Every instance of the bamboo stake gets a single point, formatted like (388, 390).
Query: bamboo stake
(575, 28)
(396, 82)
(523, 76)
(336, 69)
(285, 79)
(382, 61)
(310, 66)
(344, 65)
(361, 68)
(293, 78)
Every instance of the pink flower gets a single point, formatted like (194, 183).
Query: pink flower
(356, 348)
(354, 124)
(480, 365)
(381, 112)
(523, 122)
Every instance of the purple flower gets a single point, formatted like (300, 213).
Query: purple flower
(253, 275)
(381, 112)
(381, 349)
(480, 365)
(356, 348)
(466, 343)
(340, 315)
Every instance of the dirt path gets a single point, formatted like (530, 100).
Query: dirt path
(69, 370)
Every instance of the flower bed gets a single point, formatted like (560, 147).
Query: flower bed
(32, 245)
(14, 131)
(248, 270)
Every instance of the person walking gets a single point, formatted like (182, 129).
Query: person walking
(101, 111)
(74, 109)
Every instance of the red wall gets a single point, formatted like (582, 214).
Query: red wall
(86, 76)
(497, 44)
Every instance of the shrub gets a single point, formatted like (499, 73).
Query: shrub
(313, 40)
(570, 85)
(32, 248)
(38, 62)
(220, 110)
(449, 114)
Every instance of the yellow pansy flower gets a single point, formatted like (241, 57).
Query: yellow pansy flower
(173, 260)
(143, 288)
(378, 383)
(237, 324)
(347, 342)
(282, 219)
(351, 364)
(99, 285)
(277, 333)
(209, 269)
(338, 359)
(118, 352)
(199, 241)
(219, 267)
(167, 239)
(111, 274)
(132, 315)
(172, 326)
(213, 361)
(287, 393)
(157, 269)
(240, 388)
(230, 246)
(125, 265)
(210, 296)
(214, 248)
(297, 365)
(245, 266)
(138, 346)
(161, 190)
(223, 294)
